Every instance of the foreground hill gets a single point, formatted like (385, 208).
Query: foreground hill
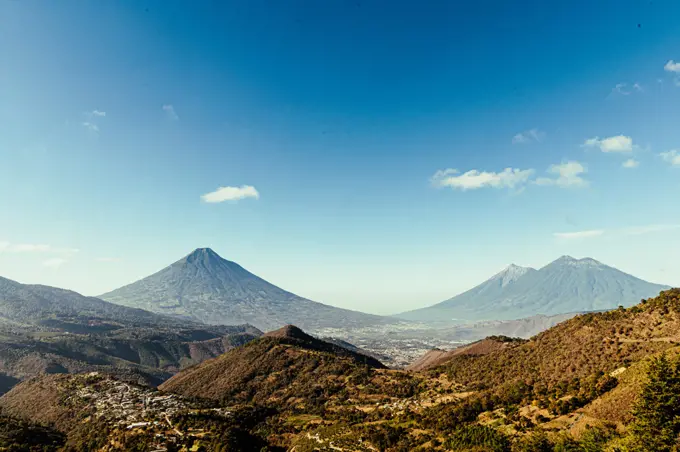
(48, 330)
(436, 357)
(96, 412)
(207, 288)
(563, 286)
(287, 365)
(578, 347)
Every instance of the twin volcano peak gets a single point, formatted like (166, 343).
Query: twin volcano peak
(574, 262)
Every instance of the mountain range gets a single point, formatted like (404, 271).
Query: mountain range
(565, 285)
(204, 287)
(49, 330)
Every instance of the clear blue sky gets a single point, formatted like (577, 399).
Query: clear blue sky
(367, 141)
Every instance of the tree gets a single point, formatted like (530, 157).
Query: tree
(657, 411)
(535, 442)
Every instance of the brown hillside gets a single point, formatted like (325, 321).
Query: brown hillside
(578, 347)
(437, 357)
(286, 366)
(291, 332)
(40, 400)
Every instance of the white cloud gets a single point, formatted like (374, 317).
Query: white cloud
(630, 163)
(579, 234)
(231, 194)
(672, 66)
(568, 175)
(619, 143)
(107, 259)
(528, 136)
(98, 113)
(170, 112)
(35, 248)
(473, 179)
(672, 157)
(54, 262)
(91, 127)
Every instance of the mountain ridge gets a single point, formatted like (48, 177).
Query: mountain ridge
(564, 285)
(46, 329)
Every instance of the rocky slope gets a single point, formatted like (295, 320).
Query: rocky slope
(207, 288)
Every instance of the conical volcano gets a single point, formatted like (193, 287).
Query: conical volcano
(205, 287)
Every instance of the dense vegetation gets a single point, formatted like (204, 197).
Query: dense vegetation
(19, 436)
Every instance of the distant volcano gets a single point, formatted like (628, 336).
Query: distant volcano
(205, 287)
(565, 285)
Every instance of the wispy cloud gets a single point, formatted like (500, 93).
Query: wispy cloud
(625, 89)
(55, 262)
(528, 136)
(672, 157)
(98, 113)
(568, 174)
(28, 248)
(91, 127)
(672, 66)
(579, 234)
(651, 228)
(630, 163)
(621, 232)
(223, 194)
(107, 259)
(170, 112)
(618, 143)
(474, 179)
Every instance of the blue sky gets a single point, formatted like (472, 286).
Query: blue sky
(362, 145)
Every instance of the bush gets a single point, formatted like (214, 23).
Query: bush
(478, 436)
